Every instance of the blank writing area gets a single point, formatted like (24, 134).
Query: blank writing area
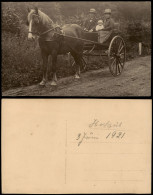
(111, 156)
(101, 170)
(33, 147)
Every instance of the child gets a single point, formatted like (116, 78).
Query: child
(100, 25)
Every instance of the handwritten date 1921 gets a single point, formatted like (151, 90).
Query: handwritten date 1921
(115, 134)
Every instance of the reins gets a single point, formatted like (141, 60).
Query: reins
(85, 40)
(44, 32)
(48, 31)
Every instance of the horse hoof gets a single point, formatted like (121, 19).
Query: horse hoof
(42, 83)
(53, 83)
(77, 77)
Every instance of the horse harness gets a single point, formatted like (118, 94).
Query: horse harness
(57, 31)
(58, 36)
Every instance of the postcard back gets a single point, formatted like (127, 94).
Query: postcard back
(76, 146)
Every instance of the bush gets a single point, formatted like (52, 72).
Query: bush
(20, 62)
(10, 21)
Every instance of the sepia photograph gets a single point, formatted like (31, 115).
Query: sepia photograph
(76, 48)
(76, 146)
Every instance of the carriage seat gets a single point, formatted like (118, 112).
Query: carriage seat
(92, 36)
(101, 36)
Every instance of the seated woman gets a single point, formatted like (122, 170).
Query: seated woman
(108, 22)
(106, 32)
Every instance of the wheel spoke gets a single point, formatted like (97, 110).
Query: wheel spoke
(121, 54)
(113, 61)
(116, 67)
(113, 68)
(120, 63)
(112, 64)
(116, 47)
(119, 45)
(119, 67)
(121, 49)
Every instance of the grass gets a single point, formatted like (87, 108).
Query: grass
(22, 63)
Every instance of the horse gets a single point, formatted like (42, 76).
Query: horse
(52, 41)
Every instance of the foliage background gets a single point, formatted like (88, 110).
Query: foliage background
(21, 59)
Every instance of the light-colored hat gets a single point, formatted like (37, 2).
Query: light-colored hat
(107, 11)
(100, 22)
(92, 10)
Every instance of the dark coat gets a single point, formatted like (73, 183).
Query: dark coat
(108, 24)
(90, 24)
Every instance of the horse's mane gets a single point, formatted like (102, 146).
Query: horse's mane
(45, 20)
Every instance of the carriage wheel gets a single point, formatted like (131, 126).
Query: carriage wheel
(116, 55)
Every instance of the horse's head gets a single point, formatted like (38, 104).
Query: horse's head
(38, 23)
(33, 21)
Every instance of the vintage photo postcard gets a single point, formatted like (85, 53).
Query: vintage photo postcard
(76, 48)
(54, 146)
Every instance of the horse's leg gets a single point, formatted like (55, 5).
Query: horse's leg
(77, 74)
(78, 63)
(45, 63)
(54, 61)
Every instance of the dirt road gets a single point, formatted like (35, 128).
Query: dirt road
(134, 81)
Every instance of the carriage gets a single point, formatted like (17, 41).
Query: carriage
(112, 46)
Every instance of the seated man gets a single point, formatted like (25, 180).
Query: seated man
(90, 23)
(100, 25)
(108, 22)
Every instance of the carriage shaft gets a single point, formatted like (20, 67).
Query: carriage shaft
(85, 40)
(89, 54)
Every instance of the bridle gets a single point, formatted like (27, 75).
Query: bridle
(43, 33)
(54, 28)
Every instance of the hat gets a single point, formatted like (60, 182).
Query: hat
(92, 10)
(107, 11)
